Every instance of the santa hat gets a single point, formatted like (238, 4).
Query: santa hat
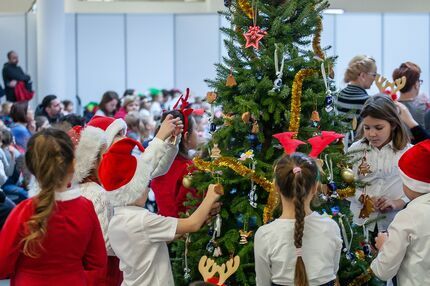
(91, 141)
(120, 172)
(414, 166)
(109, 125)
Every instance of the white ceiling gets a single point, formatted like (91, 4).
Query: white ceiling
(205, 6)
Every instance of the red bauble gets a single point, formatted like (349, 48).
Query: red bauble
(253, 36)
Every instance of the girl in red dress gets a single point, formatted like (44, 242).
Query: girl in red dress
(52, 238)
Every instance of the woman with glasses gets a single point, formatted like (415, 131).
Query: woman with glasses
(410, 94)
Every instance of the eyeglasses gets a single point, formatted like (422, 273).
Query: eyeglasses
(420, 81)
(372, 73)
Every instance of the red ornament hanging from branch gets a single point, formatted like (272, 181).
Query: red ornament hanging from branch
(254, 36)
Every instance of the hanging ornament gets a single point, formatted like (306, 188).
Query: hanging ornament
(211, 96)
(217, 251)
(254, 34)
(368, 207)
(252, 196)
(231, 81)
(244, 236)
(227, 3)
(347, 241)
(354, 123)
(277, 84)
(187, 270)
(329, 102)
(315, 119)
(255, 128)
(187, 181)
(347, 175)
(215, 152)
(331, 183)
(219, 189)
(210, 247)
(246, 116)
(364, 167)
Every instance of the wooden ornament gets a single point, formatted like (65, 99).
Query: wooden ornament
(368, 207)
(208, 268)
(211, 97)
(244, 236)
(364, 167)
(255, 128)
(246, 117)
(216, 152)
(315, 116)
(218, 188)
(228, 118)
(187, 181)
(231, 81)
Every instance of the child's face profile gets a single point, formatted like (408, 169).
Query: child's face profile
(377, 131)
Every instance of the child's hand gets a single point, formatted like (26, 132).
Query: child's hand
(215, 209)
(215, 191)
(170, 126)
(386, 205)
(405, 115)
(380, 239)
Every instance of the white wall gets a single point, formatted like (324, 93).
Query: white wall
(119, 51)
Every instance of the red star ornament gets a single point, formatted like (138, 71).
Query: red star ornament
(253, 36)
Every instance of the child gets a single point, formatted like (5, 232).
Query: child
(130, 103)
(137, 236)
(301, 247)
(405, 250)
(53, 237)
(170, 193)
(68, 107)
(385, 140)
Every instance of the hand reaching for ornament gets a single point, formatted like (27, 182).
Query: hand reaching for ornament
(170, 127)
(380, 239)
(386, 205)
(215, 209)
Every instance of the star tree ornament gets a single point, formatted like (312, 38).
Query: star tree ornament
(254, 34)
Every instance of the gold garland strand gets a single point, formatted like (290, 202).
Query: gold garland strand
(243, 171)
(296, 95)
(362, 278)
(246, 8)
(346, 192)
(316, 42)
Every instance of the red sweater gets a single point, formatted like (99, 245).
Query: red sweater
(73, 243)
(169, 192)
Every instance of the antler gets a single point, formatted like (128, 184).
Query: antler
(232, 266)
(207, 267)
(382, 83)
(398, 85)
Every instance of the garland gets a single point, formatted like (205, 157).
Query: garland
(246, 8)
(316, 42)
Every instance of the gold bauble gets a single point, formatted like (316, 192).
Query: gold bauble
(347, 175)
(187, 181)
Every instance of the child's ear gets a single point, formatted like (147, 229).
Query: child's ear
(186, 135)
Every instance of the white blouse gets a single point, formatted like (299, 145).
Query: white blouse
(384, 180)
(275, 253)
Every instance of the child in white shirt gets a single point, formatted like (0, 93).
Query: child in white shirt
(301, 247)
(384, 141)
(404, 251)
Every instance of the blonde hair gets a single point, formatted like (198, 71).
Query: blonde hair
(129, 99)
(357, 65)
(49, 158)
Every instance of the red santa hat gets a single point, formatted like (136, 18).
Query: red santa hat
(110, 126)
(414, 167)
(91, 141)
(120, 173)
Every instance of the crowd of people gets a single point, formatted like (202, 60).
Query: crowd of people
(126, 152)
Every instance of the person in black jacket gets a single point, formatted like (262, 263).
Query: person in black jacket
(12, 74)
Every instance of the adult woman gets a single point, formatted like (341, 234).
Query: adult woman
(109, 104)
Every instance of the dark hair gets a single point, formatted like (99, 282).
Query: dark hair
(382, 107)
(177, 113)
(73, 119)
(46, 102)
(18, 111)
(128, 91)
(412, 73)
(49, 155)
(66, 103)
(6, 137)
(40, 120)
(9, 54)
(108, 96)
(296, 186)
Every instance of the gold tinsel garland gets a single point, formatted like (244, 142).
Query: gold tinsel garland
(316, 42)
(235, 165)
(296, 95)
(346, 192)
(246, 8)
(362, 278)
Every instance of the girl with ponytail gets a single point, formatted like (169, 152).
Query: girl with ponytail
(52, 238)
(301, 247)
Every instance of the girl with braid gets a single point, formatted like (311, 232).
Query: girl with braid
(52, 238)
(301, 247)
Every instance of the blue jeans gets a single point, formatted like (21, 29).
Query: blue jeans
(15, 193)
(5, 208)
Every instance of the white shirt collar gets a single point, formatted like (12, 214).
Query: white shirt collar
(68, 195)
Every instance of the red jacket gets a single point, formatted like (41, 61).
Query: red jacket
(169, 192)
(73, 243)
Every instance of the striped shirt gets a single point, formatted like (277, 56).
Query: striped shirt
(350, 101)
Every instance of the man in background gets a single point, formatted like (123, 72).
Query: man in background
(12, 74)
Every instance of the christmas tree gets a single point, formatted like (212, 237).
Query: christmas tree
(273, 80)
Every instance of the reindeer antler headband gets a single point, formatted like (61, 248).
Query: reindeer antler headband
(183, 109)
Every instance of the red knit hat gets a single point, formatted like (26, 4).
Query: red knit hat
(118, 172)
(110, 125)
(414, 167)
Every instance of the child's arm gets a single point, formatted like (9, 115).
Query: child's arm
(386, 265)
(196, 220)
(95, 256)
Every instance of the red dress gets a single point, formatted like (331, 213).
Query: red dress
(170, 194)
(73, 243)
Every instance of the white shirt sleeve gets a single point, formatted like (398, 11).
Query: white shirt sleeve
(158, 157)
(262, 263)
(159, 228)
(3, 177)
(390, 257)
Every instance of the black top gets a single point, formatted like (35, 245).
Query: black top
(14, 72)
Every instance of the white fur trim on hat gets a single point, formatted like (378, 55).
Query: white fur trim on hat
(116, 126)
(414, 185)
(91, 142)
(134, 189)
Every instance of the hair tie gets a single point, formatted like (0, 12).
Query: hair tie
(299, 252)
(297, 170)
